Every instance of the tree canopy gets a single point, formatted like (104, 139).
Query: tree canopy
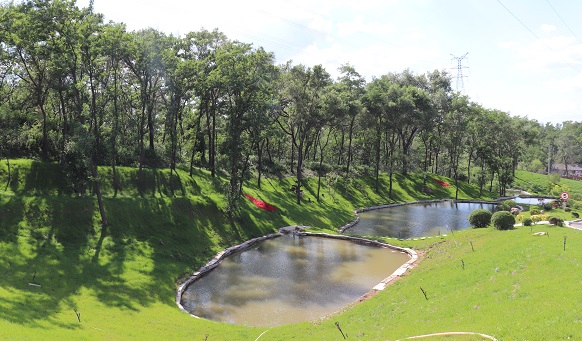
(82, 92)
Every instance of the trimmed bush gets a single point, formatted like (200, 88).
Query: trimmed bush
(527, 221)
(510, 203)
(556, 221)
(567, 209)
(534, 210)
(503, 220)
(548, 206)
(503, 207)
(480, 218)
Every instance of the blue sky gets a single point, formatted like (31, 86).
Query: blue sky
(524, 56)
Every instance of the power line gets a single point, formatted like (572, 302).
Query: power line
(535, 35)
(568, 27)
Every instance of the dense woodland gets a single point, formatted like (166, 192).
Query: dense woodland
(84, 93)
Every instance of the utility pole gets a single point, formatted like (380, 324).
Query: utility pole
(460, 67)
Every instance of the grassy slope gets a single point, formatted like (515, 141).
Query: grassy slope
(121, 280)
(526, 180)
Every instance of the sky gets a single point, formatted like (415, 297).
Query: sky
(523, 57)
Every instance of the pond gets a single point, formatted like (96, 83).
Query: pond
(533, 200)
(416, 220)
(289, 279)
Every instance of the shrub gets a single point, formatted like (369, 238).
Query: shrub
(556, 221)
(527, 221)
(534, 210)
(548, 206)
(575, 215)
(503, 220)
(503, 207)
(510, 203)
(480, 218)
(536, 218)
(567, 209)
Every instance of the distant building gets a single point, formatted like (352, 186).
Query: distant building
(560, 168)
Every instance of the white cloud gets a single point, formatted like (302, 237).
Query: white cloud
(548, 28)
(359, 25)
(507, 44)
(550, 54)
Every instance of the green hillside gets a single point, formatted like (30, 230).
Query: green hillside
(121, 280)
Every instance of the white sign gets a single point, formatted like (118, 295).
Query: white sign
(564, 196)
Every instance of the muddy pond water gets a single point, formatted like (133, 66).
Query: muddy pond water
(416, 220)
(289, 279)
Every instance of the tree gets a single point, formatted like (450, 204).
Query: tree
(415, 112)
(245, 73)
(350, 87)
(374, 100)
(144, 60)
(455, 124)
(301, 116)
(28, 36)
(202, 47)
(568, 145)
(180, 74)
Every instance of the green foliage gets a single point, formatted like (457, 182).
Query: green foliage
(556, 221)
(480, 218)
(503, 207)
(554, 179)
(535, 166)
(527, 221)
(503, 220)
(557, 189)
(534, 210)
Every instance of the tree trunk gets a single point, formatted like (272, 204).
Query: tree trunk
(45, 141)
(350, 136)
(9, 173)
(299, 173)
(97, 187)
(378, 147)
(292, 156)
(260, 147)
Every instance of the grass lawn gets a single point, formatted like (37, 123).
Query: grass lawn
(121, 280)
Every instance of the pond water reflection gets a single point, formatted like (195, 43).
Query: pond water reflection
(416, 220)
(533, 200)
(289, 279)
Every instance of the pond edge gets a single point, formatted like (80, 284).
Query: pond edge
(372, 208)
(297, 230)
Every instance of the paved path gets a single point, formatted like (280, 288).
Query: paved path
(575, 224)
